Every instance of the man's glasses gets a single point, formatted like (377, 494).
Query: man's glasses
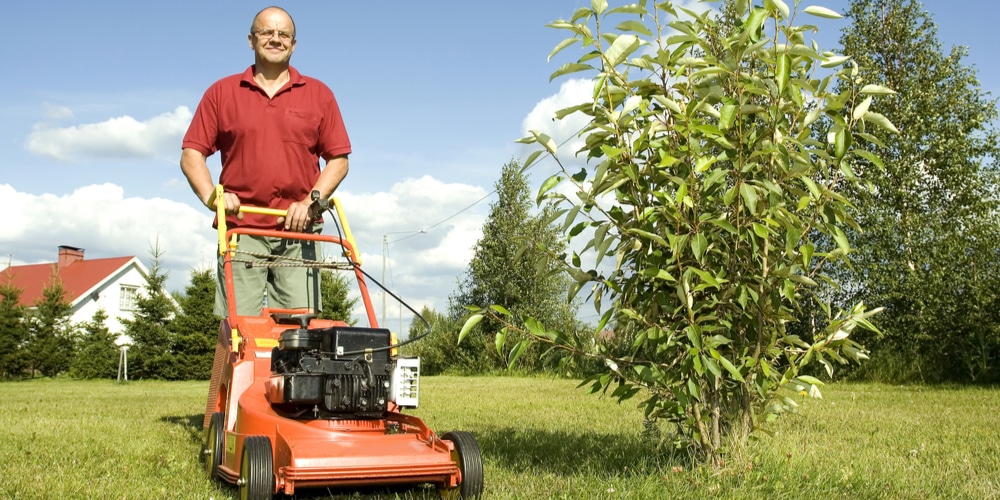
(284, 36)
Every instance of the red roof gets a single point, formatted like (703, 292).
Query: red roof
(77, 277)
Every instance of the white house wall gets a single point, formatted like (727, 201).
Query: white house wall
(107, 295)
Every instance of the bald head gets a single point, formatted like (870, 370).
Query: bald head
(267, 11)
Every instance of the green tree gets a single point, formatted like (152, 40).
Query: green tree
(335, 290)
(52, 339)
(705, 184)
(195, 329)
(151, 355)
(13, 331)
(97, 354)
(927, 251)
(511, 265)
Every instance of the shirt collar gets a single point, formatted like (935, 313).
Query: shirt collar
(294, 77)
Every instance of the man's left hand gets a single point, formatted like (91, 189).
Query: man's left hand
(298, 218)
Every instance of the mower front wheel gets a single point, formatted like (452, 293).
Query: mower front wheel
(214, 438)
(470, 462)
(256, 469)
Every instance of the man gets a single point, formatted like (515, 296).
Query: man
(271, 125)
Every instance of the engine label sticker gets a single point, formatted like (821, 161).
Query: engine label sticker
(267, 342)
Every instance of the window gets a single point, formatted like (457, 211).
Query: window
(127, 301)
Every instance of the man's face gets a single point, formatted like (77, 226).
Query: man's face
(273, 38)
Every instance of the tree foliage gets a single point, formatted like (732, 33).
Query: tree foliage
(97, 355)
(195, 329)
(510, 266)
(51, 341)
(439, 351)
(13, 331)
(710, 171)
(335, 290)
(151, 355)
(928, 251)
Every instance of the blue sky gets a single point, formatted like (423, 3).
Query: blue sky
(433, 93)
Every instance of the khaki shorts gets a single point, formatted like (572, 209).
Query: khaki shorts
(275, 287)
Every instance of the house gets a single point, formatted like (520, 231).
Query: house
(112, 284)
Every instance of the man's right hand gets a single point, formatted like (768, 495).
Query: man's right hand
(232, 204)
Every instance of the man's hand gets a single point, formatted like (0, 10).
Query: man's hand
(231, 203)
(298, 218)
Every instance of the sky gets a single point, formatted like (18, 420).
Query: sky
(433, 94)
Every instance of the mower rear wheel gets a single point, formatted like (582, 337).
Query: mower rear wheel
(256, 469)
(470, 462)
(214, 439)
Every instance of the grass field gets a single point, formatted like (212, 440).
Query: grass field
(540, 438)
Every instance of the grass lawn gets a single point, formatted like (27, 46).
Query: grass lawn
(540, 438)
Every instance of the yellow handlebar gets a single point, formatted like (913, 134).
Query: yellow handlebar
(220, 211)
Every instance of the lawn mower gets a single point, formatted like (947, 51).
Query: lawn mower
(300, 402)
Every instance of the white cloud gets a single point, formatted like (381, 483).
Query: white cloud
(422, 268)
(122, 137)
(563, 132)
(53, 112)
(100, 219)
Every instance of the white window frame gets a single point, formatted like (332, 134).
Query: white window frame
(127, 301)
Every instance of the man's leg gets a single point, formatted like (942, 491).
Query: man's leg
(248, 283)
(296, 287)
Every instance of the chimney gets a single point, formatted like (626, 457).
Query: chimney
(69, 255)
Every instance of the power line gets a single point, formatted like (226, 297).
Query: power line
(491, 193)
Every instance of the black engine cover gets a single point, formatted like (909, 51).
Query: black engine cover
(339, 372)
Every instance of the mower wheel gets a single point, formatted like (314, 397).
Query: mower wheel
(470, 462)
(213, 444)
(256, 469)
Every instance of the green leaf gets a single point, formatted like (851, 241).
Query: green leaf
(872, 157)
(731, 369)
(782, 70)
(655, 237)
(531, 159)
(698, 245)
(499, 341)
(599, 6)
(824, 12)
(727, 115)
(807, 253)
(501, 310)
(547, 186)
(635, 26)
(562, 45)
(881, 121)
(621, 48)
(872, 89)
(749, 195)
(809, 379)
(469, 324)
(777, 6)
(569, 68)
(862, 108)
(755, 22)
(662, 274)
(516, 352)
(840, 238)
(834, 61)
(545, 141)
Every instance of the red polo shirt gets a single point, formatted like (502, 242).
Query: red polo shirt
(270, 146)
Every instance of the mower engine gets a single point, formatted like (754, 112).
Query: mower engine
(338, 372)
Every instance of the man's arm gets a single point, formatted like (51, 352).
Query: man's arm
(195, 168)
(329, 178)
